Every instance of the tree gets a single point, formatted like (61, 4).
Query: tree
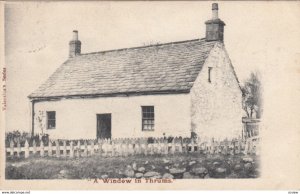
(252, 92)
(40, 118)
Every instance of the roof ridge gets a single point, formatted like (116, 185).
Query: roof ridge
(146, 46)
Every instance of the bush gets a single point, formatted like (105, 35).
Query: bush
(150, 140)
(18, 137)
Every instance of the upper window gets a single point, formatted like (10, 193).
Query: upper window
(51, 120)
(148, 118)
(209, 74)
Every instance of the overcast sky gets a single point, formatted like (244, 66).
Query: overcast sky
(258, 36)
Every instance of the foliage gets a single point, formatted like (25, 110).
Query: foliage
(40, 118)
(21, 137)
(252, 96)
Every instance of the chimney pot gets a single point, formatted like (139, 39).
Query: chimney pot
(75, 35)
(215, 11)
(215, 6)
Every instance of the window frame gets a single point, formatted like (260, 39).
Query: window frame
(51, 119)
(147, 116)
(209, 74)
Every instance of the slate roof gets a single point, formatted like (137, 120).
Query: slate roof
(169, 67)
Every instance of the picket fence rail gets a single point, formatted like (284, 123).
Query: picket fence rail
(133, 146)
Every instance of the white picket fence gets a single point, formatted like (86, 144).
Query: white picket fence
(133, 146)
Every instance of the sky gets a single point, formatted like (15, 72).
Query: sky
(259, 36)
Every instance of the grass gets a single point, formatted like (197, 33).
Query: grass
(96, 166)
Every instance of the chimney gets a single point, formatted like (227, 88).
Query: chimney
(75, 45)
(215, 26)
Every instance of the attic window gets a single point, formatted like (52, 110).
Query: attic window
(51, 119)
(148, 118)
(209, 74)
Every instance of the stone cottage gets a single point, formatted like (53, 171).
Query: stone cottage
(171, 89)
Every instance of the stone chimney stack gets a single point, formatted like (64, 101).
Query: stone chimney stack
(215, 26)
(75, 45)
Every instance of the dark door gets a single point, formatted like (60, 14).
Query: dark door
(104, 126)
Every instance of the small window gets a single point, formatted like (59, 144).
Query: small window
(51, 120)
(148, 118)
(209, 74)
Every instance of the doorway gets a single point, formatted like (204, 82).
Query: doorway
(103, 126)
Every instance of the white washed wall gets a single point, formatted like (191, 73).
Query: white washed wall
(76, 118)
(217, 106)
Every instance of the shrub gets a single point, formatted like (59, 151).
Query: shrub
(21, 137)
(150, 140)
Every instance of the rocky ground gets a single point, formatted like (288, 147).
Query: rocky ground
(182, 166)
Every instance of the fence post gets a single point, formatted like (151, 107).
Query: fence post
(199, 145)
(162, 147)
(116, 147)
(155, 146)
(34, 147)
(188, 145)
(113, 148)
(234, 146)
(246, 147)
(126, 147)
(104, 147)
(26, 149)
(11, 145)
(150, 146)
(92, 148)
(166, 146)
(49, 148)
(99, 146)
(212, 146)
(64, 148)
(175, 140)
(232, 149)
(42, 149)
(192, 145)
(184, 146)
(159, 146)
(205, 148)
(180, 145)
(110, 147)
(18, 148)
(173, 146)
(85, 152)
(107, 147)
(78, 149)
(130, 147)
(134, 146)
(71, 150)
(138, 147)
(121, 147)
(225, 151)
(57, 149)
(133, 143)
(202, 147)
(146, 148)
